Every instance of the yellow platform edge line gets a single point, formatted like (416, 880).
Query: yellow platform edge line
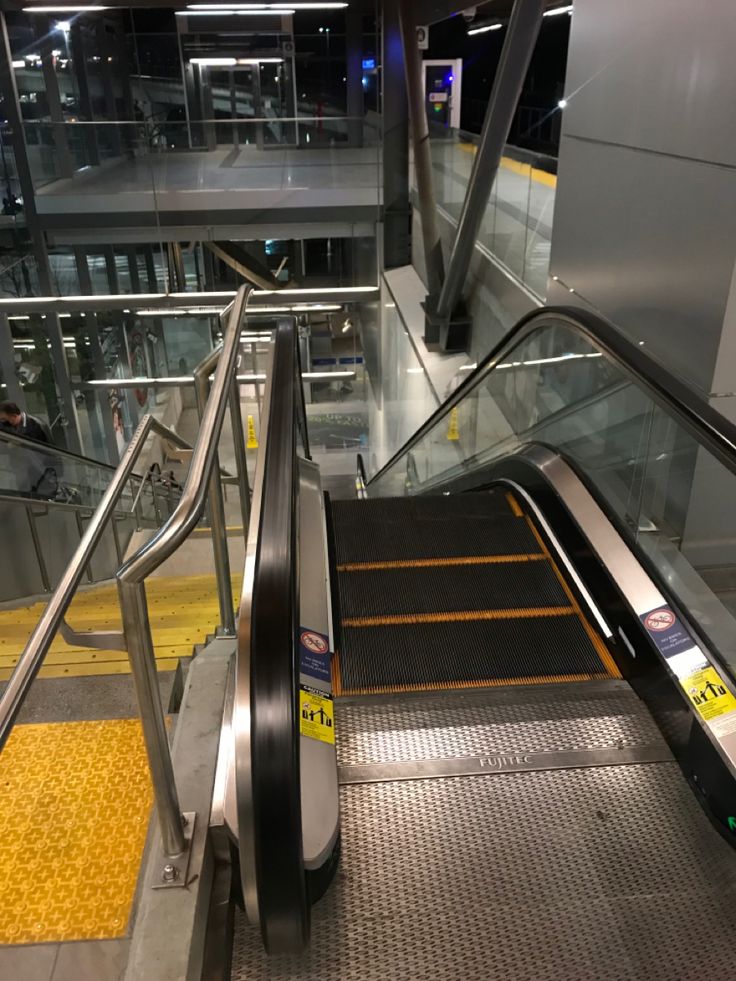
(461, 616)
(523, 169)
(440, 563)
(93, 668)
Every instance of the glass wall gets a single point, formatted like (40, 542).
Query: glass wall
(517, 223)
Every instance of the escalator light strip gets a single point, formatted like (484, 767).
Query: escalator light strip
(514, 505)
(536, 679)
(438, 563)
(460, 616)
(598, 645)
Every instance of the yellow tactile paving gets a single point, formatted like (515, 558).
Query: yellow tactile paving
(183, 611)
(73, 822)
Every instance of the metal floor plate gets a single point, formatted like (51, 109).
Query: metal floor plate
(609, 874)
(587, 715)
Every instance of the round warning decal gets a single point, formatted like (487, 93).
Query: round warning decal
(659, 620)
(314, 643)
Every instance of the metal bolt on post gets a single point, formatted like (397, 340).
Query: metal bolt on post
(170, 873)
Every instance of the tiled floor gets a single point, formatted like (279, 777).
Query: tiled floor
(91, 960)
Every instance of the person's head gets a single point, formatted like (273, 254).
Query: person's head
(10, 414)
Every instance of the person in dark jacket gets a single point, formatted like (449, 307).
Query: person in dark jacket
(37, 472)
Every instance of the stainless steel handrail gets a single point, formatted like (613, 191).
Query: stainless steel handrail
(132, 591)
(40, 640)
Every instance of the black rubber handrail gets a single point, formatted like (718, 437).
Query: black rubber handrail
(284, 911)
(709, 427)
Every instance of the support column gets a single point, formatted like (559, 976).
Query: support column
(98, 358)
(354, 45)
(422, 160)
(51, 83)
(521, 37)
(79, 64)
(396, 203)
(135, 277)
(150, 269)
(111, 268)
(13, 389)
(108, 86)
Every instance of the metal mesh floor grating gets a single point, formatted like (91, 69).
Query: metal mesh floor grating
(587, 715)
(610, 874)
(582, 875)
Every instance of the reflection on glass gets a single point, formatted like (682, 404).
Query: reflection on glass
(517, 223)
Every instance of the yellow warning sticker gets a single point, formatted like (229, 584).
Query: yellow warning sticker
(453, 430)
(316, 715)
(709, 695)
(252, 440)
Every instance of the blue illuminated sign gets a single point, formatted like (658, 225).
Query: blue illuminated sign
(369, 64)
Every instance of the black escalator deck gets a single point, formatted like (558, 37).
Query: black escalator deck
(454, 592)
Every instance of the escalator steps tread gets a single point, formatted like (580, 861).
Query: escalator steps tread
(370, 541)
(428, 527)
(502, 586)
(483, 652)
(441, 507)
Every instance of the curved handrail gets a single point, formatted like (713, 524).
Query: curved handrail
(709, 427)
(40, 640)
(265, 719)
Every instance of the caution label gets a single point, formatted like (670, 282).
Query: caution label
(251, 442)
(316, 715)
(709, 695)
(453, 430)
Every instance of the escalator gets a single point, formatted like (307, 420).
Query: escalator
(47, 498)
(485, 722)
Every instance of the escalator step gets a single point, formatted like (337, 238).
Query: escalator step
(427, 589)
(439, 507)
(458, 653)
(371, 537)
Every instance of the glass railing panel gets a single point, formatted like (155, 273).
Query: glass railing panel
(398, 392)
(218, 156)
(517, 224)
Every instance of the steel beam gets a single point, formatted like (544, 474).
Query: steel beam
(422, 152)
(396, 204)
(51, 84)
(521, 37)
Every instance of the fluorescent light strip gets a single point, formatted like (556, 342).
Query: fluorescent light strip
(19, 64)
(179, 312)
(62, 10)
(132, 299)
(484, 30)
(266, 7)
(558, 10)
(229, 62)
(321, 290)
(219, 12)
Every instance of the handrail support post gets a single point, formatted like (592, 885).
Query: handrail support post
(137, 629)
(216, 510)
